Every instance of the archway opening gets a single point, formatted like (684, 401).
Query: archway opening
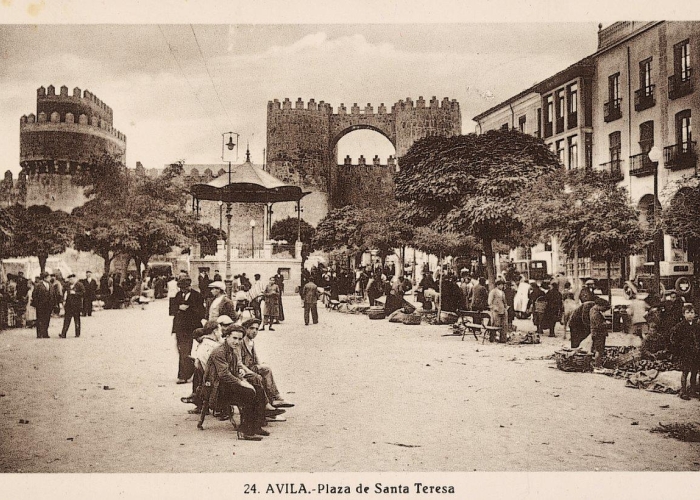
(367, 145)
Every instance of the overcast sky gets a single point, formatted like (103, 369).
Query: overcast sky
(173, 101)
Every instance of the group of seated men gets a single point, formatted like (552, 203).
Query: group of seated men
(228, 372)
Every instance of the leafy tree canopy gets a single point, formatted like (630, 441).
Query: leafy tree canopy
(681, 218)
(288, 229)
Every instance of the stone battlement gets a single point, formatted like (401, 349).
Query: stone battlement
(362, 161)
(31, 121)
(322, 107)
(87, 96)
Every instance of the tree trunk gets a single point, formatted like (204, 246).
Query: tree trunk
(488, 252)
(42, 262)
(607, 265)
(439, 309)
(577, 286)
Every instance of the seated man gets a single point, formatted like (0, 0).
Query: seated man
(208, 338)
(223, 379)
(252, 365)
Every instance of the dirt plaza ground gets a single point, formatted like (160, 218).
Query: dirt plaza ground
(370, 396)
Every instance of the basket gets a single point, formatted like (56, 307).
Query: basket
(540, 305)
(412, 319)
(376, 312)
(574, 361)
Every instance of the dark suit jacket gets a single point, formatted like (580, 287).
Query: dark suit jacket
(74, 297)
(90, 288)
(185, 322)
(41, 298)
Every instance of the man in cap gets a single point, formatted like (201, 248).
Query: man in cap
(221, 305)
(74, 293)
(189, 313)
(41, 300)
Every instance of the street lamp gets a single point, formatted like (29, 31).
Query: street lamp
(252, 238)
(221, 214)
(655, 157)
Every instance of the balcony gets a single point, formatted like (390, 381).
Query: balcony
(614, 167)
(641, 165)
(680, 85)
(681, 156)
(612, 110)
(644, 98)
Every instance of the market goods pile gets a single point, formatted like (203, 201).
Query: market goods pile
(626, 360)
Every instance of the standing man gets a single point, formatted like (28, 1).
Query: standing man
(41, 300)
(499, 310)
(90, 286)
(309, 295)
(56, 294)
(189, 312)
(279, 279)
(220, 305)
(74, 293)
(257, 292)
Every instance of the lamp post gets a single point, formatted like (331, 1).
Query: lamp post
(228, 145)
(221, 214)
(655, 157)
(252, 238)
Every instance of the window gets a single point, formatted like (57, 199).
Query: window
(548, 115)
(560, 111)
(683, 130)
(588, 146)
(681, 60)
(646, 136)
(560, 151)
(504, 126)
(573, 152)
(645, 77)
(572, 105)
(614, 87)
(521, 123)
(615, 146)
(539, 122)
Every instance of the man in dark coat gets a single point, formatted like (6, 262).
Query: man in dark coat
(580, 323)
(90, 285)
(480, 296)
(188, 317)
(279, 279)
(553, 309)
(532, 296)
(309, 295)
(74, 293)
(56, 291)
(41, 300)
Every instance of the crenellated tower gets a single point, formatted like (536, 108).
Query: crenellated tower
(302, 141)
(61, 139)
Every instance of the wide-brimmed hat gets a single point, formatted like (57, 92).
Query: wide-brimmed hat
(218, 284)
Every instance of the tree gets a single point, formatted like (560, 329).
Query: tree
(386, 229)
(470, 184)
(7, 228)
(40, 232)
(681, 217)
(588, 213)
(107, 238)
(341, 229)
(288, 229)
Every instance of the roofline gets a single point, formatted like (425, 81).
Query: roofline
(538, 86)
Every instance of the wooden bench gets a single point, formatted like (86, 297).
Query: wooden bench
(476, 323)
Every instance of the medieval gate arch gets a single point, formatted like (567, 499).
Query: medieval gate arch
(302, 141)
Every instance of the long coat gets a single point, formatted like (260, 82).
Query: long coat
(186, 322)
(553, 310)
(272, 305)
(42, 299)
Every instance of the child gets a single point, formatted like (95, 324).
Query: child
(685, 338)
(569, 307)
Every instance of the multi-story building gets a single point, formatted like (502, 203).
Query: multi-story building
(610, 109)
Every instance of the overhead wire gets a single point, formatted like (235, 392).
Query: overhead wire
(210, 77)
(172, 53)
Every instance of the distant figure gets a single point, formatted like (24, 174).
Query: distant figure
(74, 293)
(42, 301)
(480, 296)
(90, 286)
(310, 296)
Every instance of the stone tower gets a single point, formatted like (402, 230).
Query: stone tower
(67, 132)
(302, 141)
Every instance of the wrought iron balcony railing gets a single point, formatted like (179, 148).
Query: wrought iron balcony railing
(641, 165)
(614, 167)
(612, 110)
(680, 85)
(644, 98)
(681, 156)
